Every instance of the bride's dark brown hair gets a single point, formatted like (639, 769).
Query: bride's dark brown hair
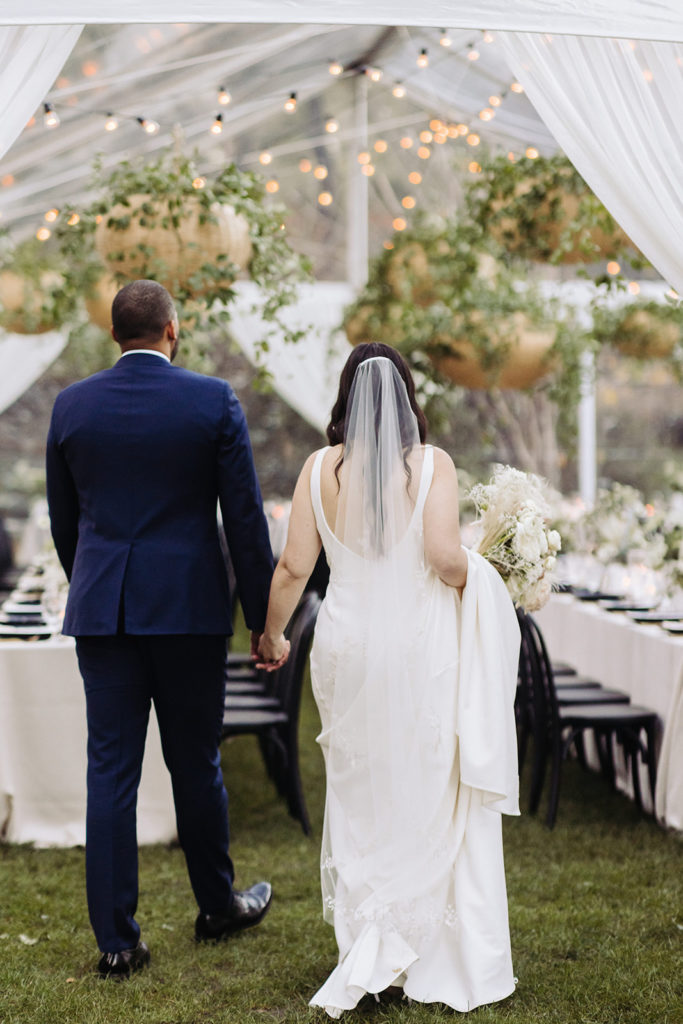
(371, 350)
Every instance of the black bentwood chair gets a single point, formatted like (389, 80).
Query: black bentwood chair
(556, 724)
(273, 715)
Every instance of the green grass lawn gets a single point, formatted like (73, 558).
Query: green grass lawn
(595, 909)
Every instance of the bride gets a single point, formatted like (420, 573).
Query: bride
(414, 667)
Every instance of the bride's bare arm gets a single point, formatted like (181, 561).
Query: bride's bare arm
(442, 524)
(295, 566)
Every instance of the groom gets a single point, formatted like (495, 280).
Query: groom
(137, 458)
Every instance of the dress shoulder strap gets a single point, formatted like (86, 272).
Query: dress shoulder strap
(425, 479)
(316, 496)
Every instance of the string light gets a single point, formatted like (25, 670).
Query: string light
(305, 166)
(495, 101)
(364, 157)
(473, 139)
(424, 152)
(511, 157)
(436, 125)
(265, 158)
(368, 170)
(290, 104)
(613, 267)
(90, 68)
(453, 132)
(42, 234)
(474, 167)
(406, 142)
(398, 224)
(73, 220)
(531, 152)
(399, 91)
(224, 96)
(473, 55)
(31, 121)
(488, 37)
(147, 125)
(111, 123)
(217, 126)
(408, 202)
(51, 215)
(487, 114)
(374, 74)
(50, 116)
(634, 287)
(7, 180)
(414, 177)
(199, 183)
(672, 294)
(462, 129)
(387, 244)
(440, 137)
(426, 136)
(422, 59)
(445, 39)
(517, 87)
(380, 146)
(272, 186)
(331, 125)
(647, 75)
(320, 173)
(335, 68)
(325, 198)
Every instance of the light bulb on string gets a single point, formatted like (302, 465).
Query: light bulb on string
(325, 198)
(42, 234)
(516, 87)
(473, 139)
(406, 142)
(426, 136)
(488, 37)
(374, 74)
(224, 96)
(473, 54)
(290, 103)
(272, 186)
(265, 158)
(422, 59)
(147, 125)
(495, 101)
(445, 39)
(320, 172)
(380, 146)
(398, 224)
(50, 116)
(437, 125)
(364, 157)
(440, 137)
(424, 152)
(414, 177)
(331, 125)
(531, 152)
(462, 129)
(73, 220)
(387, 244)
(111, 123)
(634, 287)
(474, 167)
(368, 170)
(613, 267)
(217, 126)
(51, 215)
(198, 183)
(335, 68)
(408, 202)
(305, 166)
(399, 91)
(487, 114)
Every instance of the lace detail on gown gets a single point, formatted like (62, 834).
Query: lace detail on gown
(411, 862)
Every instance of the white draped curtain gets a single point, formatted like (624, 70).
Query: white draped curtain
(614, 108)
(31, 57)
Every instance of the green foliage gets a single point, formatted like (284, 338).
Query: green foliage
(168, 182)
(47, 299)
(542, 210)
(642, 330)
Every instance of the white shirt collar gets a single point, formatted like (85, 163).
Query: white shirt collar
(145, 352)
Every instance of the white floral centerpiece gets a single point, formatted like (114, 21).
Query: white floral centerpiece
(514, 535)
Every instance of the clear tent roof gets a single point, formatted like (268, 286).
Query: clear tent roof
(172, 74)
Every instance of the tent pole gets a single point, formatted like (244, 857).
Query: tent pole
(588, 458)
(357, 246)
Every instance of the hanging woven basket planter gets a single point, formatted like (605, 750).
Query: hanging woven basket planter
(25, 305)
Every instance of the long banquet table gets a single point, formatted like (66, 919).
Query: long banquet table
(43, 751)
(641, 660)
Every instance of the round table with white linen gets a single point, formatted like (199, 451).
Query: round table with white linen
(43, 740)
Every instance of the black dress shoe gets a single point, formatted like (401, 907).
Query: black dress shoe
(120, 965)
(248, 908)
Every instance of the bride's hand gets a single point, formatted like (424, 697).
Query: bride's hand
(272, 654)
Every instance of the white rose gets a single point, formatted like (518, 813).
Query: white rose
(537, 595)
(527, 540)
(554, 541)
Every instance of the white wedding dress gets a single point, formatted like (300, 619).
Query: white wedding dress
(415, 692)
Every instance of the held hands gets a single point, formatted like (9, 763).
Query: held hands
(272, 654)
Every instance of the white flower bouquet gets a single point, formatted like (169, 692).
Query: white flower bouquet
(514, 535)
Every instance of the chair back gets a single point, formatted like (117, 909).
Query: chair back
(543, 695)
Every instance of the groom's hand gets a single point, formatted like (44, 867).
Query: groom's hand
(272, 654)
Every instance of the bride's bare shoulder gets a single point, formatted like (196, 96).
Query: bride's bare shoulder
(330, 457)
(443, 463)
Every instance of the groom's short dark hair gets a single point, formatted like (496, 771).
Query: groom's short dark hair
(141, 310)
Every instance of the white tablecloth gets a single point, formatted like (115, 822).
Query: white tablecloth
(641, 660)
(43, 737)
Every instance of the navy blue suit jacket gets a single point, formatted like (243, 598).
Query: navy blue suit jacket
(137, 458)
